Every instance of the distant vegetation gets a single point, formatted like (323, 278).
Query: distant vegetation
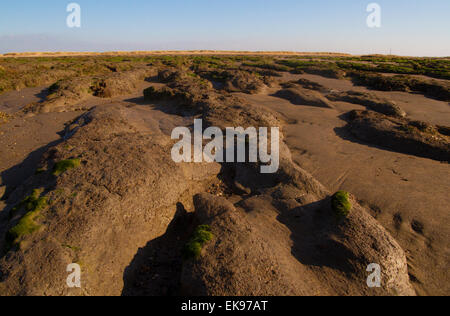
(21, 72)
(432, 67)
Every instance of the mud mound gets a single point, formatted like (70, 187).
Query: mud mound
(270, 66)
(333, 73)
(306, 84)
(287, 242)
(371, 101)
(269, 75)
(300, 96)
(430, 88)
(67, 94)
(181, 88)
(221, 110)
(101, 195)
(400, 134)
(63, 95)
(168, 75)
(252, 251)
(119, 83)
(237, 80)
(226, 111)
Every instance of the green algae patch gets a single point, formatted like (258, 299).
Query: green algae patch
(340, 203)
(200, 237)
(27, 225)
(65, 165)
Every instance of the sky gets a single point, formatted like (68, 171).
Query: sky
(408, 27)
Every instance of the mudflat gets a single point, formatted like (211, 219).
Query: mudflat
(87, 175)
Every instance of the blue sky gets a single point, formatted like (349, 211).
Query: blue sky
(409, 27)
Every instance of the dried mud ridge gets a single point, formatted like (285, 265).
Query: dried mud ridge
(120, 207)
(401, 134)
(384, 124)
(68, 94)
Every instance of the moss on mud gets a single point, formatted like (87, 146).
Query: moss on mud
(27, 225)
(340, 203)
(200, 237)
(64, 165)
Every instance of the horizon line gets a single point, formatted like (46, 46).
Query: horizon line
(194, 52)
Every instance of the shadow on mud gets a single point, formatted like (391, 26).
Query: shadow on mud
(16, 175)
(156, 268)
(315, 235)
(24, 177)
(42, 96)
(19, 181)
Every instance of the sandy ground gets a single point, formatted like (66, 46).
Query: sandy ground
(24, 140)
(13, 101)
(407, 194)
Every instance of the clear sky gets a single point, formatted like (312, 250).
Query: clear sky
(409, 27)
